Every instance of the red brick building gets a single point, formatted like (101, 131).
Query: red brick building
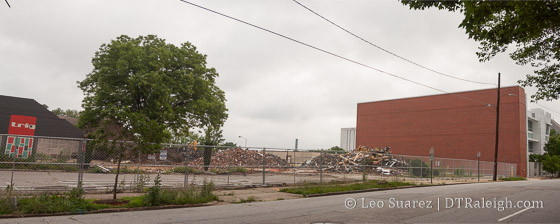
(455, 126)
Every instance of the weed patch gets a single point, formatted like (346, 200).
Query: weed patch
(321, 189)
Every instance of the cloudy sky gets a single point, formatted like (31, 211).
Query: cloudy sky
(276, 90)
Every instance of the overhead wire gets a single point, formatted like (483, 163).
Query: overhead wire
(387, 51)
(332, 54)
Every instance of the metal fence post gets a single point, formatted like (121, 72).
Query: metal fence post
(478, 166)
(227, 175)
(431, 165)
(294, 164)
(344, 173)
(409, 167)
(81, 158)
(13, 170)
(186, 178)
(263, 167)
(137, 180)
(321, 167)
(422, 170)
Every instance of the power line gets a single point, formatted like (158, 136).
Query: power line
(389, 52)
(8, 4)
(330, 53)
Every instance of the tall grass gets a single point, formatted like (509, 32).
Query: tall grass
(157, 195)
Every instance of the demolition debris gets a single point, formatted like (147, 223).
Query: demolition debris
(242, 157)
(356, 160)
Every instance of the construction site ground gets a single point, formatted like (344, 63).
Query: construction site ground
(98, 182)
(272, 193)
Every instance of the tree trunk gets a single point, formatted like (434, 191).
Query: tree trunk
(117, 176)
(207, 157)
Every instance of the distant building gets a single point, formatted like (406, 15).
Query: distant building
(539, 125)
(348, 138)
(26, 117)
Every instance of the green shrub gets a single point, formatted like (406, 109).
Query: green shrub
(421, 169)
(512, 178)
(157, 195)
(153, 196)
(459, 172)
(181, 169)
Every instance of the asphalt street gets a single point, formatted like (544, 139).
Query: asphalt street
(535, 201)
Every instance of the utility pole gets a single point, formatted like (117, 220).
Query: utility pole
(497, 131)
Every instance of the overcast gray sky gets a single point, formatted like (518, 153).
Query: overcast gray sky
(276, 90)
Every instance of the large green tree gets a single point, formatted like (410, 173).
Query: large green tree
(146, 91)
(532, 26)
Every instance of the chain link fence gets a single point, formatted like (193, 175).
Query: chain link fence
(31, 163)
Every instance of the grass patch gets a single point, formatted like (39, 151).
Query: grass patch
(237, 170)
(71, 202)
(74, 203)
(181, 169)
(321, 189)
(126, 170)
(512, 178)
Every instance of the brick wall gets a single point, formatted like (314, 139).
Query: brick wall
(454, 126)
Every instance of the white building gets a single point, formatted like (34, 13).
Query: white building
(348, 138)
(539, 124)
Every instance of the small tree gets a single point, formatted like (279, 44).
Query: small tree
(230, 144)
(68, 112)
(551, 164)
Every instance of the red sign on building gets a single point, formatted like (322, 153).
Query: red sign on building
(22, 125)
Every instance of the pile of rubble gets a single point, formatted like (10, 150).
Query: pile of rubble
(242, 157)
(355, 161)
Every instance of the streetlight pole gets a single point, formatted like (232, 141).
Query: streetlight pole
(245, 140)
(497, 131)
